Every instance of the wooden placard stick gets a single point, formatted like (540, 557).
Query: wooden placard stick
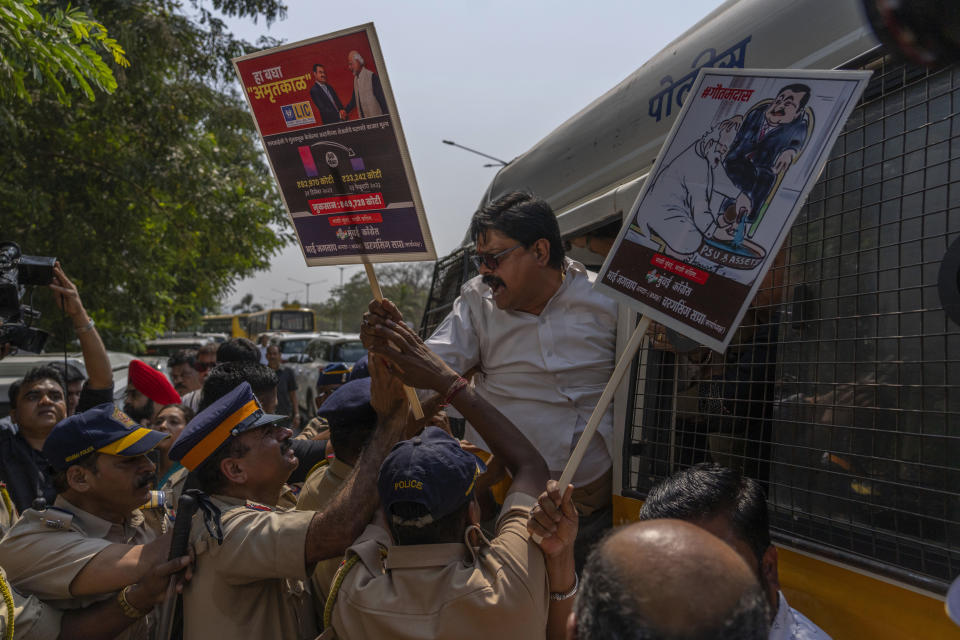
(573, 463)
(378, 296)
(605, 398)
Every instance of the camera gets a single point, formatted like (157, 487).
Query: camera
(16, 272)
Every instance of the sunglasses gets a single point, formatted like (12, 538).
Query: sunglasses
(204, 366)
(492, 260)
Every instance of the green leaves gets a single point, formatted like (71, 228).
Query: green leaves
(157, 197)
(50, 49)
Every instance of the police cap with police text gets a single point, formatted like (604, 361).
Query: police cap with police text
(432, 470)
(105, 429)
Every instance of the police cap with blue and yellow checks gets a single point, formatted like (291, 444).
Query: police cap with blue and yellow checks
(432, 470)
(231, 415)
(105, 429)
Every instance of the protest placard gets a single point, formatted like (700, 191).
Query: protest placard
(733, 174)
(731, 177)
(329, 125)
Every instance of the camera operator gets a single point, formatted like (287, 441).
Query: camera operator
(41, 403)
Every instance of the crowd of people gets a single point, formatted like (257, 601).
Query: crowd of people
(365, 521)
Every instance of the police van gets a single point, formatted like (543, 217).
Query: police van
(840, 392)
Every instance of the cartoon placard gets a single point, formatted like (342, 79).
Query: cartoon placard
(734, 172)
(329, 125)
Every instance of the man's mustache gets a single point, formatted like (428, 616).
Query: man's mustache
(144, 481)
(492, 281)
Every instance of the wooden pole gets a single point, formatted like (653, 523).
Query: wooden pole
(605, 398)
(378, 296)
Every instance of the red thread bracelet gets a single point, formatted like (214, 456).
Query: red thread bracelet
(455, 388)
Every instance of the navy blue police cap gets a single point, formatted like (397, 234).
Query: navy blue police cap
(104, 428)
(430, 469)
(361, 369)
(333, 373)
(349, 404)
(229, 416)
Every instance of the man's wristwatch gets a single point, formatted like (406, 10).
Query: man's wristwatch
(558, 597)
(128, 609)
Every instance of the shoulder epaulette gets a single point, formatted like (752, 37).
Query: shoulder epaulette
(51, 517)
(319, 465)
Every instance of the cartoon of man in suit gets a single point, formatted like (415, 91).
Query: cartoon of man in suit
(768, 140)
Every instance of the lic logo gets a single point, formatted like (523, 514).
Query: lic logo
(298, 113)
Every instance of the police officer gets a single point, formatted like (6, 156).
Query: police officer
(423, 577)
(92, 545)
(252, 559)
(352, 422)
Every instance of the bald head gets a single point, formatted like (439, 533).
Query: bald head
(668, 579)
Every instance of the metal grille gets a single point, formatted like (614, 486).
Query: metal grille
(841, 390)
(449, 274)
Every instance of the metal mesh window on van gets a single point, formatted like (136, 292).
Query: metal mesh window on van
(841, 392)
(449, 274)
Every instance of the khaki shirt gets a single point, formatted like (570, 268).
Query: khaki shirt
(288, 497)
(45, 550)
(33, 619)
(318, 491)
(316, 427)
(322, 485)
(446, 591)
(253, 585)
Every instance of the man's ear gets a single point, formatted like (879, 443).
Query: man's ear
(232, 469)
(77, 478)
(541, 250)
(572, 626)
(770, 575)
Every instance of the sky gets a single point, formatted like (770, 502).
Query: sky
(495, 76)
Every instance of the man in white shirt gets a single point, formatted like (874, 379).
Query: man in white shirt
(733, 508)
(542, 340)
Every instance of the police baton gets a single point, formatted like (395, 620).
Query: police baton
(186, 506)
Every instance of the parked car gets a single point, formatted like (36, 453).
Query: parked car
(13, 368)
(293, 345)
(160, 349)
(321, 351)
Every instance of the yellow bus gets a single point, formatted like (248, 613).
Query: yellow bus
(233, 325)
(286, 320)
(840, 392)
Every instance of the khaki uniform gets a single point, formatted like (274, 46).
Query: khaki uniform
(446, 591)
(33, 619)
(320, 488)
(316, 427)
(322, 485)
(288, 497)
(253, 585)
(45, 550)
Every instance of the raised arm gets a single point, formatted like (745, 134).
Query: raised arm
(418, 366)
(553, 524)
(99, 372)
(336, 527)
